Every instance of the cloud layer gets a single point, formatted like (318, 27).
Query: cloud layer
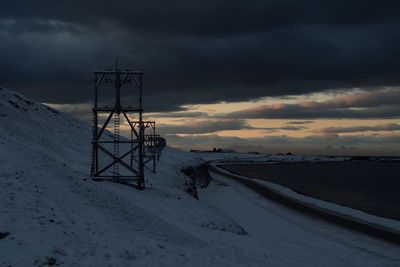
(382, 103)
(199, 52)
(389, 127)
(203, 52)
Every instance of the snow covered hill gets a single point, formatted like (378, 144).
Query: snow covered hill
(51, 209)
(53, 214)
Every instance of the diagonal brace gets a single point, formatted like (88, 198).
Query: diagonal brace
(119, 159)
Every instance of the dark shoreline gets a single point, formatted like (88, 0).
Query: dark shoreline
(371, 229)
(373, 187)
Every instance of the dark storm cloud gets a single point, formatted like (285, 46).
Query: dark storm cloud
(206, 17)
(362, 105)
(188, 114)
(297, 112)
(377, 128)
(299, 122)
(201, 127)
(212, 126)
(199, 52)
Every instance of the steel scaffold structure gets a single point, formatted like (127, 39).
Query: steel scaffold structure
(101, 145)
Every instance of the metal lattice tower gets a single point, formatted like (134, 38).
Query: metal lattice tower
(150, 147)
(107, 165)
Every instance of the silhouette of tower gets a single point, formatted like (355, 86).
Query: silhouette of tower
(109, 153)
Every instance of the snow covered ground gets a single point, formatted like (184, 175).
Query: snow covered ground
(390, 224)
(290, 239)
(51, 213)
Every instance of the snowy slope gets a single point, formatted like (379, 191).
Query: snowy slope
(52, 210)
(55, 214)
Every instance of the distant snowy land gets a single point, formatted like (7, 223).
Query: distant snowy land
(53, 214)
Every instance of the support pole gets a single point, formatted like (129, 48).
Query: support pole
(141, 137)
(132, 153)
(94, 168)
(153, 145)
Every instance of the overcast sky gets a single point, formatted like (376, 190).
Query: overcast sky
(343, 54)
